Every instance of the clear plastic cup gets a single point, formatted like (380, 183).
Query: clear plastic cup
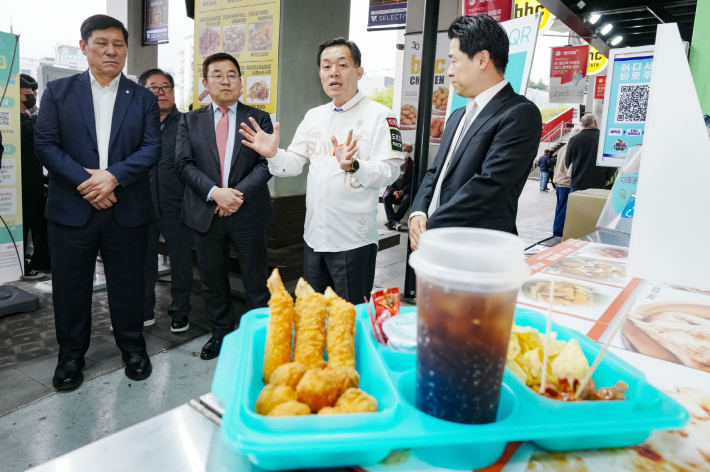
(467, 284)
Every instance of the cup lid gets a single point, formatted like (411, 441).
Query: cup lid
(471, 256)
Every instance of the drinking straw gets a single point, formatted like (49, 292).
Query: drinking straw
(588, 377)
(547, 336)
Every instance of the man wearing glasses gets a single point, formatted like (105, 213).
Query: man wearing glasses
(167, 192)
(227, 199)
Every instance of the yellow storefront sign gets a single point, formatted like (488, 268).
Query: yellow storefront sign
(249, 31)
(597, 61)
(530, 7)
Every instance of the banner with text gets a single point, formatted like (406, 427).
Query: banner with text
(248, 31)
(568, 73)
(500, 10)
(155, 21)
(10, 177)
(387, 13)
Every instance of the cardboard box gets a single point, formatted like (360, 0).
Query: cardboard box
(583, 210)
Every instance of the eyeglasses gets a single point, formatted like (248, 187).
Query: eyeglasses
(231, 77)
(164, 88)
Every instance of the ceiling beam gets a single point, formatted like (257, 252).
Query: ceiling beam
(575, 23)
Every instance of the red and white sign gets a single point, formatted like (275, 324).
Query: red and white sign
(599, 87)
(392, 122)
(568, 73)
(500, 10)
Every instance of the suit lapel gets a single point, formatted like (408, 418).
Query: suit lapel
(82, 87)
(207, 125)
(243, 115)
(447, 141)
(124, 95)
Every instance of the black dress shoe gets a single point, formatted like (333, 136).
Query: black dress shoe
(179, 324)
(211, 349)
(138, 365)
(68, 374)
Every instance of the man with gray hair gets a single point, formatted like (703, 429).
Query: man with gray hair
(582, 157)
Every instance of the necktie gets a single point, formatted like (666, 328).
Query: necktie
(222, 133)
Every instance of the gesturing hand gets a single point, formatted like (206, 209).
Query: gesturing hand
(262, 142)
(344, 153)
(228, 200)
(98, 186)
(417, 225)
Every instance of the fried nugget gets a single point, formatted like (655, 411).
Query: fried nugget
(311, 310)
(288, 374)
(331, 410)
(290, 408)
(280, 330)
(355, 400)
(340, 338)
(344, 377)
(317, 389)
(273, 395)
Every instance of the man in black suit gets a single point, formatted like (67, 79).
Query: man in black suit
(98, 135)
(488, 147)
(226, 199)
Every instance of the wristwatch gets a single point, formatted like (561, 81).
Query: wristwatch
(115, 181)
(355, 167)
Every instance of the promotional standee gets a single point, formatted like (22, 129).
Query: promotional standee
(626, 91)
(501, 10)
(568, 74)
(10, 178)
(248, 31)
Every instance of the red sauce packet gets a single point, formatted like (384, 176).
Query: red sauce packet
(387, 303)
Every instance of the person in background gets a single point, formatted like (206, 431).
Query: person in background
(488, 147)
(400, 192)
(544, 164)
(168, 192)
(98, 135)
(227, 198)
(581, 156)
(562, 182)
(34, 197)
(354, 147)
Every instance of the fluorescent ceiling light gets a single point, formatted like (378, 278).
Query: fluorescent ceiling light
(606, 28)
(594, 18)
(616, 40)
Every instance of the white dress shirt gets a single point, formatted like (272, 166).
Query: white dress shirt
(104, 100)
(473, 109)
(232, 115)
(341, 208)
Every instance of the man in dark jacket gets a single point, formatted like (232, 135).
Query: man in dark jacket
(168, 192)
(582, 158)
(400, 192)
(34, 197)
(544, 164)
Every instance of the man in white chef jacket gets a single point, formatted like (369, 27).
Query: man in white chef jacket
(354, 147)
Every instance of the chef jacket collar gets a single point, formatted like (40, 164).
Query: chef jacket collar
(352, 103)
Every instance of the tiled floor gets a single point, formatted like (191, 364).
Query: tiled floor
(54, 424)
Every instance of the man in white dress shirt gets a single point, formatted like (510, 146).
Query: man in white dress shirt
(98, 135)
(488, 146)
(354, 147)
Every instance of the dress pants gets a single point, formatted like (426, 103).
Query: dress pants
(560, 210)
(178, 238)
(74, 251)
(350, 273)
(389, 199)
(212, 250)
(33, 219)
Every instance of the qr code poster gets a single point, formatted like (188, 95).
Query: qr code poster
(629, 85)
(4, 118)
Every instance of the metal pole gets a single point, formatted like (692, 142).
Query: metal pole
(426, 92)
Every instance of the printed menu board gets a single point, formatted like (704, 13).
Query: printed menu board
(248, 30)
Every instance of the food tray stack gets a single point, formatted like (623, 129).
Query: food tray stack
(390, 376)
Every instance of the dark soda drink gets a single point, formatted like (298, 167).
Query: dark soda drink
(462, 341)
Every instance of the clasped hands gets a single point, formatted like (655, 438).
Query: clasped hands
(228, 200)
(98, 189)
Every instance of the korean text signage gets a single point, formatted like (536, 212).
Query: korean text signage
(387, 13)
(156, 21)
(501, 10)
(629, 86)
(568, 71)
(10, 177)
(249, 31)
(410, 88)
(599, 87)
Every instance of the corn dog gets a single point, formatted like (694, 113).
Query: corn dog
(280, 330)
(340, 340)
(311, 310)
